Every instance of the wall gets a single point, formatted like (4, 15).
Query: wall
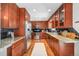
(41, 24)
(76, 16)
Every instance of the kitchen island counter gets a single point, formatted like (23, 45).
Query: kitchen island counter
(62, 38)
(8, 42)
(58, 43)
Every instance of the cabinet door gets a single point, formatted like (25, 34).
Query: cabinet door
(9, 51)
(57, 19)
(20, 31)
(4, 15)
(68, 15)
(50, 24)
(65, 13)
(67, 49)
(53, 22)
(55, 46)
(43, 35)
(62, 16)
(18, 19)
(56, 23)
(0, 15)
(9, 15)
(13, 23)
(18, 48)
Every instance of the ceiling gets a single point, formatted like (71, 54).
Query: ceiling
(40, 11)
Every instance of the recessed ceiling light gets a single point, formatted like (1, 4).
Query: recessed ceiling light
(34, 10)
(49, 10)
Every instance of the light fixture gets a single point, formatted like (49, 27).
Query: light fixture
(49, 10)
(34, 10)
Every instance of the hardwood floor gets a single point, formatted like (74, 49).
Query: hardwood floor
(29, 51)
(48, 50)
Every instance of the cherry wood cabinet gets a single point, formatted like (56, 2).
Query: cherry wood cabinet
(67, 49)
(59, 48)
(32, 35)
(53, 21)
(0, 15)
(9, 51)
(9, 15)
(53, 44)
(43, 35)
(13, 14)
(23, 17)
(50, 24)
(56, 19)
(65, 15)
(41, 24)
(62, 18)
(20, 31)
(27, 15)
(18, 48)
(4, 16)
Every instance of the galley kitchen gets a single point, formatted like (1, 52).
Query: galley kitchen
(39, 29)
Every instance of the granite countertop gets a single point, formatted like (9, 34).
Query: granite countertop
(62, 38)
(8, 41)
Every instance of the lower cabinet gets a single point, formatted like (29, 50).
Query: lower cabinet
(18, 48)
(60, 48)
(67, 49)
(32, 35)
(53, 44)
(9, 51)
(43, 35)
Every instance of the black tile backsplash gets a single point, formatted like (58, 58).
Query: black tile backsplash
(4, 33)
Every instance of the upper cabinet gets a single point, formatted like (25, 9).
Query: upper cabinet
(24, 16)
(62, 18)
(27, 15)
(56, 19)
(68, 15)
(9, 15)
(0, 15)
(53, 21)
(50, 24)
